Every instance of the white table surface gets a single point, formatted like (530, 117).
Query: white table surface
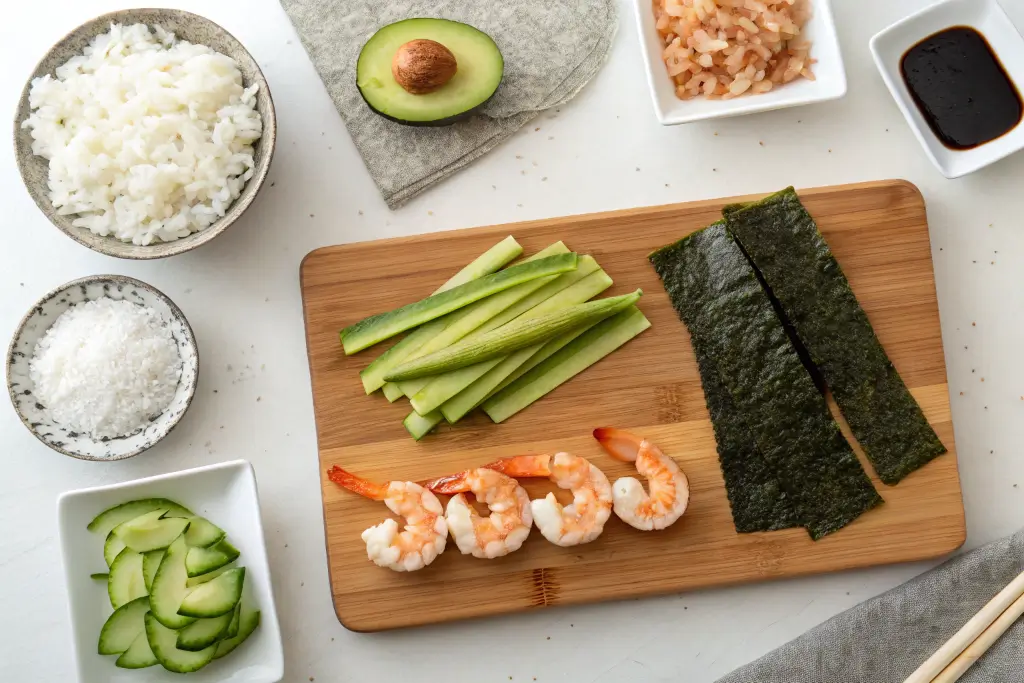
(603, 151)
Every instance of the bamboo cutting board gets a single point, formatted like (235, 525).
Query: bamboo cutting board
(879, 234)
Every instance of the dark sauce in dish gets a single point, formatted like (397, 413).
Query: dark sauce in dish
(961, 88)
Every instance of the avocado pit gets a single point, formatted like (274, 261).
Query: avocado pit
(422, 66)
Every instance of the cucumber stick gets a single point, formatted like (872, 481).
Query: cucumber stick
(585, 267)
(579, 354)
(518, 334)
(455, 408)
(488, 313)
(545, 352)
(392, 392)
(377, 328)
(490, 261)
(419, 426)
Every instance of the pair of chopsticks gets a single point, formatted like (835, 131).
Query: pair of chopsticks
(956, 656)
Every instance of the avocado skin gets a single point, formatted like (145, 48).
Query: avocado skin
(437, 123)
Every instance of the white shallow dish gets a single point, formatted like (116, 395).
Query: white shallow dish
(989, 19)
(224, 493)
(829, 72)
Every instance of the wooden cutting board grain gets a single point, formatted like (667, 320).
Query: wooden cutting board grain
(879, 234)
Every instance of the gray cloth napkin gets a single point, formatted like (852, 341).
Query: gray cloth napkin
(886, 638)
(552, 48)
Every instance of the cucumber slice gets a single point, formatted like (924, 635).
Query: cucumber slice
(568, 362)
(420, 425)
(150, 531)
(123, 627)
(203, 560)
(194, 581)
(100, 576)
(164, 641)
(105, 522)
(112, 547)
(150, 563)
(369, 331)
(216, 597)
(169, 588)
(524, 298)
(125, 582)
(392, 392)
(204, 633)
(140, 654)
(455, 408)
(233, 626)
(516, 335)
(487, 263)
(246, 625)
(202, 533)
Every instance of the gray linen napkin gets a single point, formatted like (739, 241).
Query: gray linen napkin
(552, 48)
(886, 638)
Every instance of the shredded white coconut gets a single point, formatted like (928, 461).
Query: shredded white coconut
(106, 368)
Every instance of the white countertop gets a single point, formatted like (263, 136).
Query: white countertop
(603, 151)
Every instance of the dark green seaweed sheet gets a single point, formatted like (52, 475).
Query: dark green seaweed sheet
(782, 240)
(716, 292)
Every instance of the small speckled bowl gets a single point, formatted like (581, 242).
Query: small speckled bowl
(38, 320)
(195, 29)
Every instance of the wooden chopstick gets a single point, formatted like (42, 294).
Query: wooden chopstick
(970, 631)
(959, 666)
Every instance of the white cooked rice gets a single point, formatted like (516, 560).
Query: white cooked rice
(722, 49)
(149, 138)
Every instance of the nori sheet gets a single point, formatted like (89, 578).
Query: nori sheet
(716, 293)
(782, 240)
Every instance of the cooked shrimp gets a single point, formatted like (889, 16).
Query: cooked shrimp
(425, 533)
(582, 520)
(669, 488)
(498, 534)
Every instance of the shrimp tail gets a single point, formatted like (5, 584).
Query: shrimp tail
(521, 466)
(349, 481)
(447, 485)
(618, 443)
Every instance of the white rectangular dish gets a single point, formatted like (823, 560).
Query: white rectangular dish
(830, 74)
(989, 19)
(226, 494)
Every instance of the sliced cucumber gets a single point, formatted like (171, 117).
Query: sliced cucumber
(233, 626)
(392, 392)
(194, 581)
(169, 588)
(487, 263)
(123, 627)
(202, 533)
(246, 625)
(216, 597)
(151, 531)
(126, 582)
(455, 408)
(112, 547)
(203, 560)
(518, 334)
(419, 426)
(535, 292)
(150, 563)
(204, 633)
(164, 642)
(140, 654)
(572, 359)
(368, 332)
(105, 522)
(100, 576)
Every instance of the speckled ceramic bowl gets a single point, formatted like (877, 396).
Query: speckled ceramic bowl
(38, 320)
(190, 27)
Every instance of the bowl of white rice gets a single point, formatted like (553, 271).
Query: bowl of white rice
(102, 368)
(145, 133)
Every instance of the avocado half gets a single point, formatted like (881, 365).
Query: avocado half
(480, 67)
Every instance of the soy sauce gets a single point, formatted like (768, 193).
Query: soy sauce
(961, 88)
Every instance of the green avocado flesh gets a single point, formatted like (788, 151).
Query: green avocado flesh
(480, 68)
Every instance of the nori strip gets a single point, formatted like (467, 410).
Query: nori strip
(783, 242)
(715, 291)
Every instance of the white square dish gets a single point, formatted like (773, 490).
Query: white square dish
(226, 494)
(989, 19)
(830, 75)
